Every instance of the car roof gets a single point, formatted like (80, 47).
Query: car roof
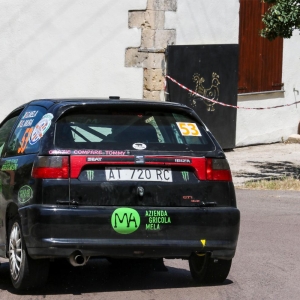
(74, 101)
(57, 103)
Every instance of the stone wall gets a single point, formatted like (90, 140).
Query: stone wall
(154, 40)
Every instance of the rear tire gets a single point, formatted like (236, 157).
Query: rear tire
(25, 272)
(217, 270)
(198, 266)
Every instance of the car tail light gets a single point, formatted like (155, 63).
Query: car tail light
(51, 167)
(217, 169)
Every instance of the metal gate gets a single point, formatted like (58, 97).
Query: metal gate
(211, 71)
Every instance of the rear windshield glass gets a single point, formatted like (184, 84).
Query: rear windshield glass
(131, 130)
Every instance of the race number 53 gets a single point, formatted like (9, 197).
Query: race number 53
(188, 129)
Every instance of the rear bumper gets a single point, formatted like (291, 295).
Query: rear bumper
(58, 232)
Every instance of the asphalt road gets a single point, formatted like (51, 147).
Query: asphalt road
(266, 265)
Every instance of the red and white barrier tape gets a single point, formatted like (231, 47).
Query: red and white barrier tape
(224, 104)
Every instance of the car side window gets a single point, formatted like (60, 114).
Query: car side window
(5, 131)
(22, 142)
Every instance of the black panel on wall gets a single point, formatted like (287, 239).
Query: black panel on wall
(212, 71)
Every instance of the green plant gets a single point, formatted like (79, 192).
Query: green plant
(281, 19)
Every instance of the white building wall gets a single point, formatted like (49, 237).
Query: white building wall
(205, 22)
(273, 125)
(66, 48)
(217, 22)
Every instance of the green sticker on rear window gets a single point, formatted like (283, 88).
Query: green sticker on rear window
(125, 220)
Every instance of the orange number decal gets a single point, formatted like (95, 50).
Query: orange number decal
(25, 140)
(188, 129)
(194, 129)
(183, 129)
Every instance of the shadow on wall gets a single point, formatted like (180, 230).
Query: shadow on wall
(270, 170)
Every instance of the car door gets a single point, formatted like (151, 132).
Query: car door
(6, 176)
(17, 160)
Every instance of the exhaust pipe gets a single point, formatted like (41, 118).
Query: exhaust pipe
(77, 259)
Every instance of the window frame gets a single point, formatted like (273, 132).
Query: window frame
(16, 114)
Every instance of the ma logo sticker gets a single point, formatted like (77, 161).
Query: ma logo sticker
(125, 220)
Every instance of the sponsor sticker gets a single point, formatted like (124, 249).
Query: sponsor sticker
(90, 174)
(59, 151)
(10, 165)
(90, 152)
(25, 123)
(100, 152)
(156, 218)
(185, 175)
(139, 146)
(25, 140)
(30, 114)
(25, 194)
(125, 220)
(40, 128)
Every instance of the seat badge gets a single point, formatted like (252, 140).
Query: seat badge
(139, 159)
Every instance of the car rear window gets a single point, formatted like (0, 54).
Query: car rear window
(126, 130)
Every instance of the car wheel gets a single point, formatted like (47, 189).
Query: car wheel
(25, 272)
(198, 265)
(217, 270)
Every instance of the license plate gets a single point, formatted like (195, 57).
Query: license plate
(139, 174)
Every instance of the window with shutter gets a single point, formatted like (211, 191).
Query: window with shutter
(260, 60)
